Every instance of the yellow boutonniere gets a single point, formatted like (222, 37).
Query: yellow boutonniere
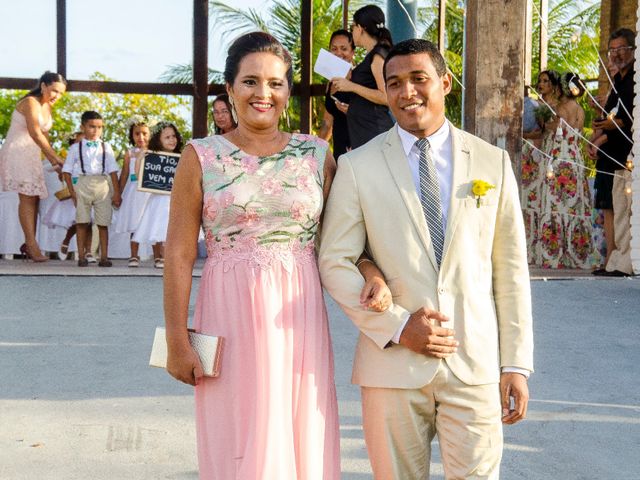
(480, 189)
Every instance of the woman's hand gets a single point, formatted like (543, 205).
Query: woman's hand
(183, 364)
(376, 295)
(343, 107)
(339, 84)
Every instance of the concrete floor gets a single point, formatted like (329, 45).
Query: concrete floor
(78, 401)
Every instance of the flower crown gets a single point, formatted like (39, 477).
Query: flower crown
(159, 126)
(137, 120)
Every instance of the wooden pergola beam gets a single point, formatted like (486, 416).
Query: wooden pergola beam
(200, 67)
(61, 37)
(306, 52)
(442, 14)
(544, 35)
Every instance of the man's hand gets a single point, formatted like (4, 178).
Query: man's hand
(607, 124)
(513, 386)
(421, 335)
(116, 201)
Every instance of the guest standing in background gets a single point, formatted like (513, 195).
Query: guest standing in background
(155, 217)
(21, 169)
(223, 120)
(334, 120)
(368, 114)
(564, 236)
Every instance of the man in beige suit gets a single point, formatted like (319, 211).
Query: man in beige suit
(452, 355)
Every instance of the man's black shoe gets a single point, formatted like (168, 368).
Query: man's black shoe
(614, 273)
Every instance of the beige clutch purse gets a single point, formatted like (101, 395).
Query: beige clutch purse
(208, 348)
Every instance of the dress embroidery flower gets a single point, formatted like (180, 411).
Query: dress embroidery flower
(210, 208)
(226, 199)
(297, 211)
(480, 189)
(304, 184)
(249, 164)
(271, 186)
(248, 218)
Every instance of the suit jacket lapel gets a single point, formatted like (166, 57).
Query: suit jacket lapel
(459, 184)
(401, 173)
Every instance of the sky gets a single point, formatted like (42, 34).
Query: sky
(127, 40)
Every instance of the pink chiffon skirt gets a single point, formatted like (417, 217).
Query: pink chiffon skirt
(272, 413)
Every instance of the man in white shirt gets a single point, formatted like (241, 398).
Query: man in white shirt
(92, 161)
(437, 210)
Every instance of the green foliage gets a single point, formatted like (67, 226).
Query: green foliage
(116, 109)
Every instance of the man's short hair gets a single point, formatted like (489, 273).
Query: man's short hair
(89, 115)
(628, 35)
(415, 46)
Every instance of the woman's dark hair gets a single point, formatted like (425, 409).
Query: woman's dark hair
(223, 97)
(154, 141)
(553, 75)
(569, 80)
(343, 33)
(371, 19)
(142, 123)
(255, 42)
(47, 78)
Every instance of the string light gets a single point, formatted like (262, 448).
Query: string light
(573, 88)
(549, 171)
(627, 188)
(630, 162)
(613, 112)
(575, 36)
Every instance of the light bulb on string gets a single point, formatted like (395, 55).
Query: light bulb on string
(627, 188)
(613, 112)
(559, 133)
(573, 88)
(549, 170)
(629, 163)
(575, 36)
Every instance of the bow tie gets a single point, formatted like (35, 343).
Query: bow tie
(92, 143)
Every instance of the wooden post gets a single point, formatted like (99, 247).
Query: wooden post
(345, 14)
(306, 60)
(200, 67)
(528, 43)
(442, 15)
(61, 37)
(544, 35)
(494, 73)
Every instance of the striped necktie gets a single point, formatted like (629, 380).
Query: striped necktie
(430, 197)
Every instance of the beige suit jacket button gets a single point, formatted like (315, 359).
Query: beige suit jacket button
(441, 290)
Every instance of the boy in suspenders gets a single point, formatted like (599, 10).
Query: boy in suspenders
(93, 162)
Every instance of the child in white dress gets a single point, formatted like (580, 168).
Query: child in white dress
(134, 201)
(62, 214)
(155, 217)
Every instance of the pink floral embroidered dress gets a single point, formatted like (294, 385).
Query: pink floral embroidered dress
(20, 163)
(272, 413)
(564, 230)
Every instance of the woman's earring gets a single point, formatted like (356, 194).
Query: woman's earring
(234, 115)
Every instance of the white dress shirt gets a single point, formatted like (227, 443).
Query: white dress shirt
(442, 155)
(92, 157)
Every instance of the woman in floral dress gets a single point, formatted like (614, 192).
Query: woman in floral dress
(258, 194)
(564, 237)
(533, 161)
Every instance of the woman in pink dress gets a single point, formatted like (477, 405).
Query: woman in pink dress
(258, 193)
(20, 164)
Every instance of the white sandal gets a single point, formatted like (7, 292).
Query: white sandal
(158, 263)
(134, 262)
